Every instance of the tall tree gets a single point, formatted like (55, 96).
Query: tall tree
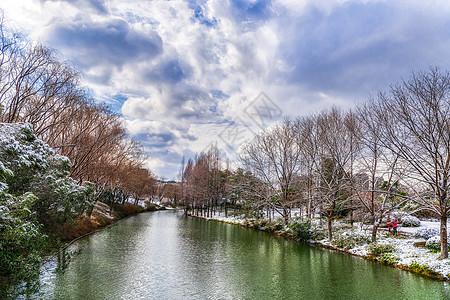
(335, 152)
(377, 198)
(274, 157)
(416, 118)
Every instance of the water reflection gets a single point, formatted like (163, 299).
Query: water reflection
(164, 255)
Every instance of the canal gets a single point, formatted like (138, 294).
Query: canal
(165, 255)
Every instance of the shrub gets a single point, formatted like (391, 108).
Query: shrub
(263, 223)
(389, 259)
(410, 221)
(22, 246)
(171, 204)
(258, 224)
(303, 231)
(277, 226)
(421, 269)
(434, 243)
(426, 233)
(151, 207)
(102, 220)
(79, 228)
(27, 164)
(378, 249)
(350, 239)
(127, 209)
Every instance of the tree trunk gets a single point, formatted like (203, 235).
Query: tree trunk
(285, 215)
(351, 213)
(444, 244)
(374, 232)
(330, 224)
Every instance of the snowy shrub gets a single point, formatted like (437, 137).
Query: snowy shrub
(399, 216)
(258, 224)
(410, 221)
(426, 233)
(422, 269)
(150, 206)
(339, 226)
(303, 231)
(434, 243)
(22, 244)
(430, 220)
(277, 225)
(350, 239)
(27, 164)
(377, 249)
(389, 259)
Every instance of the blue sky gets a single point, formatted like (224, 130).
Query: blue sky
(182, 72)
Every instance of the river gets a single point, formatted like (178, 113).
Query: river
(165, 255)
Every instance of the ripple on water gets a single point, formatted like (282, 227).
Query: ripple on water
(164, 255)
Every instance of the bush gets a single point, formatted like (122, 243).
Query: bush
(22, 246)
(257, 224)
(350, 239)
(434, 243)
(378, 249)
(102, 220)
(79, 228)
(421, 269)
(389, 259)
(151, 207)
(262, 223)
(426, 233)
(303, 231)
(277, 226)
(127, 209)
(27, 164)
(410, 221)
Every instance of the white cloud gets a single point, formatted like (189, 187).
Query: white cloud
(184, 70)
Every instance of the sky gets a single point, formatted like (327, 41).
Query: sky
(188, 74)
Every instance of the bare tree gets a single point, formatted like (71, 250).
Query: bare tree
(415, 115)
(377, 198)
(273, 156)
(334, 156)
(306, 128)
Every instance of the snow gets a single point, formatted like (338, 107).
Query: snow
(14, 139)
(3, 186)
(423, 225)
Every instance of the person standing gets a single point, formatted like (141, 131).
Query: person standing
(394, 227)
(389, 222)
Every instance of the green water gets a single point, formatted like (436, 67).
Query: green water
(164, 255)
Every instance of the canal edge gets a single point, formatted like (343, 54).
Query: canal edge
(417, 270)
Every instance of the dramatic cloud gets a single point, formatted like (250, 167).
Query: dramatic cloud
(183, 73)
(112, 42)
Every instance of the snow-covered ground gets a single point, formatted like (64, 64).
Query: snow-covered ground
(405, 253)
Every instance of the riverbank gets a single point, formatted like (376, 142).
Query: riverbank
(405, 251)
(102, 217)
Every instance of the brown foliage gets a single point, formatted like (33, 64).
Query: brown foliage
(81, 227)
(127, 209)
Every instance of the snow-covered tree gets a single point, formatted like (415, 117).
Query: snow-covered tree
(32, 166)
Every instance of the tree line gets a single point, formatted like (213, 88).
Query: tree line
(391, 152)
(39, 88)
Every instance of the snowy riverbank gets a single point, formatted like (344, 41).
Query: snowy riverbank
(406, 250)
